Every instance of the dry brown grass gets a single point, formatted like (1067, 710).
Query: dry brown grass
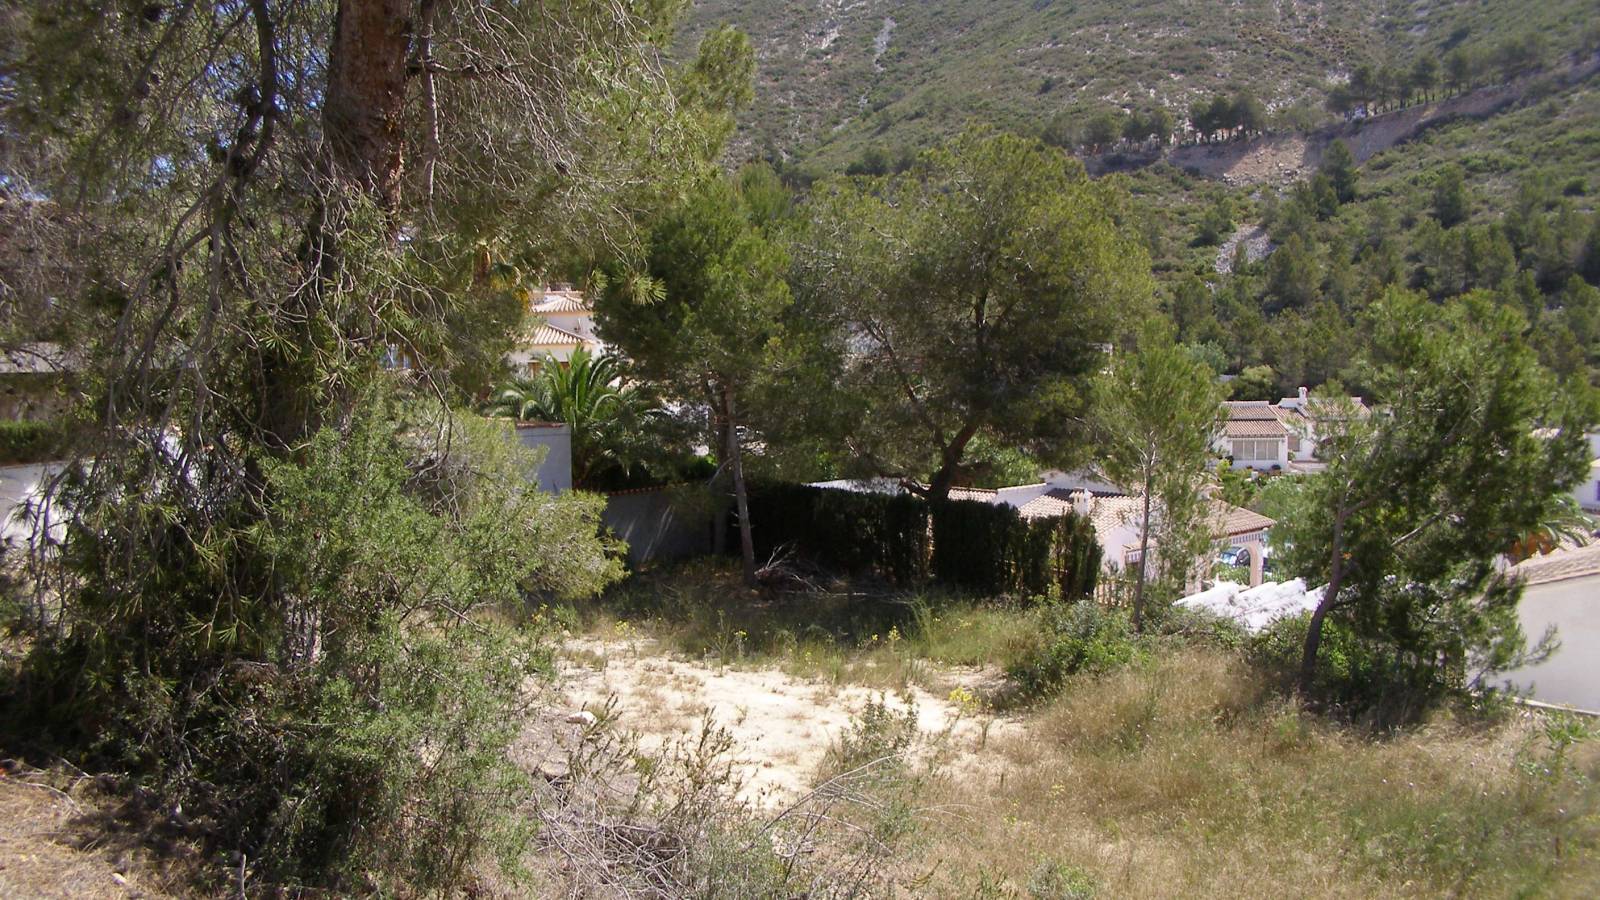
(54, 843)
(1182, 778)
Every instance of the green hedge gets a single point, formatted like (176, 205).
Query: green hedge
(845, 530)
(28, 442)
(988, 549)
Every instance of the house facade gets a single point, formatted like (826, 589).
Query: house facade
(1270, 436)
(1587, 493)
(1254, 436)
(560, 323)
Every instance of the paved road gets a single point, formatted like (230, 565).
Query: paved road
(1569, 600)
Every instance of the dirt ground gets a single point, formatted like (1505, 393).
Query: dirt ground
(47, 851)
(782, 725)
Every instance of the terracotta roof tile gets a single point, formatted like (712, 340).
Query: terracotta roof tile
(1231, 520)
(562, 303)
(547, 335)
(1257, 428)
(1260, 410)
(1570, 562)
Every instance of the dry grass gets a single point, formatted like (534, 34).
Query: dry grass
(55, 842)
(1183, 779)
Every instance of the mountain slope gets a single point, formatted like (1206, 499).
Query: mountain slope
(836, 77)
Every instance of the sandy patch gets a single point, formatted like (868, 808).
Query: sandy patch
(782, 725)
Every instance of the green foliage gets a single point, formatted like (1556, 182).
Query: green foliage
(1156, 412)
(985, 548)
(1339, 165)
(353, 737)
(1059, 881)
(29, 442)
(879, 735)
(1074, 638)
(1362, 679)
(845, 530)
(992, 550)
(1474, 444)
(1450, 204)
(617, 429)
(970, 295)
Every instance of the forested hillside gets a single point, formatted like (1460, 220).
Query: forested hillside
(836, 78)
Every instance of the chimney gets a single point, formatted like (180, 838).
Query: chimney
(1303, 394)
(1082, 502)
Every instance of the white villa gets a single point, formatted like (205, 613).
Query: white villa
(561, 321)
(1272, 436)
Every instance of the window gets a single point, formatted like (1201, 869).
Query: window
(1246, 450)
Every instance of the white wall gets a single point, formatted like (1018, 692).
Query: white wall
(1280, 459)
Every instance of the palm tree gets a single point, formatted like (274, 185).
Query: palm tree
(606, 417)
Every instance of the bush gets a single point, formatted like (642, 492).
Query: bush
(986, 548)
(1362, 680)
(1075, 637)
(1059, 881)
(29, 442)
(852, 531)
(991, 549)
(344, 723)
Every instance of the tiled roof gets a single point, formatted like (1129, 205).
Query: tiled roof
(1568, 562)
(1052, 503)
(1259, 410)
(1114, 512)
(1231, 520)
(1255, 428)
(982, 495)
(547, 335)
(562, 303)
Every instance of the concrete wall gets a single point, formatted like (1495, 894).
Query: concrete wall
(1570, 677)
(555, 471)
(661, 523)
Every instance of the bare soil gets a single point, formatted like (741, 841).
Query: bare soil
(782, 725)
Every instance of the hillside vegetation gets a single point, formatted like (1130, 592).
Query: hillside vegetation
(835, 78)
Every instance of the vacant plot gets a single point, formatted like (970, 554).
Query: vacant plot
(1180, 773)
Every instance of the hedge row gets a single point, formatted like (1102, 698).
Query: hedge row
(844, 530)
(28, 442)
(984, 548)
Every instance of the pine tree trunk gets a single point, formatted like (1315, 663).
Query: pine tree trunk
(1308, 655)
(950, 462)
(1144, 561)
(741, 499)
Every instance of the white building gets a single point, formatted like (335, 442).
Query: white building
(1587, 493)
(1268, 437)
(560, 322)
(1254, 436)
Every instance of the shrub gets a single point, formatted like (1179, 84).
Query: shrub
(1075, 637)
(879, 734)
(1361, 679)
(29, 442)
(991, 549)
(986, 548)
(1059, 881)
(344, 723)
(857, 532)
